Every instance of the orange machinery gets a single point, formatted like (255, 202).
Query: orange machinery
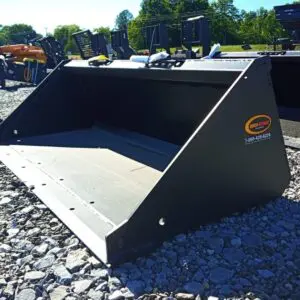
(22, 51)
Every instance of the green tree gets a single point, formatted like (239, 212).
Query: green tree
(123, 19)
(105, 31)
(17, 33)
(185, 6)
(155, 8)
(64, 35)
(225, 20)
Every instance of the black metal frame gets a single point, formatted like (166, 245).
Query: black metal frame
(156, 36)
(89, 44)
(120, 44)
(196, 31)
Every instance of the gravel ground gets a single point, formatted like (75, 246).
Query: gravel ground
(250, 256)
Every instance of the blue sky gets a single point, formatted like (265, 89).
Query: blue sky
(46, 15)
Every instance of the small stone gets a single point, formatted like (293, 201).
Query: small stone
(236, 242)
(25, 260)
(44, 262)
(33, 231)
(210, 251)
(24, 245)
(136, 286)
(114, 284)
(54, 221)
(41, 206)
(252, 240)
(199, 276)
(76, 260)
(59, 293)
(34, 275)
(5, 200)
(95, 262)
(9, 290)
(245, 282)
(116, 295)
(182, 296)
(62, 274)
(181, 238)
(27, 209)
(12, 232)
(233, 255)
(226, 290)
(4, 248)
(82, 285)
(95, 295)
(128, 295)
(193, 287)
(40, 250)
(26, 294)
(220, 275)
(265, 273)
(3, 282)
(103, 286)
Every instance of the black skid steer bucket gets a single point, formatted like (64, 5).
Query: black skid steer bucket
(128, 155)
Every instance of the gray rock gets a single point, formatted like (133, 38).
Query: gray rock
(59, 293)
(245, 282)
(226, 290)
(181, 238)
(252, 240)
(236, 242)
(103, 286)
(27, 209)
(76, 259)
(62, 274)
(82, 285)
(116, 295)
(114, 284)
(12, 232)
(9, 290)
(128, 295)
(24, 245)
(136, 286)
(95, 262)
(266, 274)
(40, 250)
(44, 262)
(34, 275)
(26, 294)
(4, 248)
(233, 255)
(198, 276)
(33, 232)
(103, 274)
(3, 282)
(95, 295)
(193, 287)
(220, 275)
(5, 200)
(182, 296)
(216, 244)
(25, 260)
(75, 265)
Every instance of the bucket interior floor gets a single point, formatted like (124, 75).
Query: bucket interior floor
(111, 170)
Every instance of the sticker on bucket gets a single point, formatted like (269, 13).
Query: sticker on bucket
(257, 129)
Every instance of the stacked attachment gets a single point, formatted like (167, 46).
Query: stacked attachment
(128, 155)
(120, 44)
(89, 44)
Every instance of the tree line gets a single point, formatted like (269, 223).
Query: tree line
(229, 25)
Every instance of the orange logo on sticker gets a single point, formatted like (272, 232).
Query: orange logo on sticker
(258, 124)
